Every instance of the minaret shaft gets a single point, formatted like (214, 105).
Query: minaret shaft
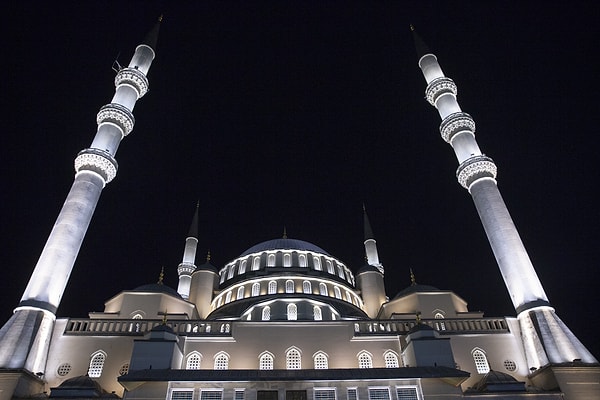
(25, 338)
(545, 337)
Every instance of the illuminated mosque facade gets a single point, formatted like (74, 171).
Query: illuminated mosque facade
(286, 320)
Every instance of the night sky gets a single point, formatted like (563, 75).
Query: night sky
(295, 114)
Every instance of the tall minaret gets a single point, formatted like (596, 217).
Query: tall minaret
(371, 244)
(24, 339)
(546, 339)
(188, 264)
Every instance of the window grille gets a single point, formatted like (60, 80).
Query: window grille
(266, 313)
(317, 262)
(317, 314)
(323, 289)
(289, 286)
(338, 292)
(292, 312)
(324, 394)
(352, 394)
(239, 394)
(293, 359)
(221, 361)
(124, 369)
(266, 362)
(240, 293)
(182, 395)
(321, 361)
(391, 360)
(287, 260)
(481, 362)
(306, 287)
(330, 267)
(510, 365)
(256, 264)
(302, 260)
(211, 395)
(379, 394)
(407, 393)
(272, 287)
(271, 260)
(193, 361)
(365, 361)
(255, 289)
(96, 365)
(242, 268)
(63, 369)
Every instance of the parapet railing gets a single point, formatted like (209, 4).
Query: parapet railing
(139, 327)
(443, 326)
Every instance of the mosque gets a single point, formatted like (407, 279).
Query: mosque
(286, 319)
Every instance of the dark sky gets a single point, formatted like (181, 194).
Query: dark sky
(293, 114)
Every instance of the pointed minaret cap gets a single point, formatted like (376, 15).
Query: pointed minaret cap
(367, 225)
(413, 280)
(420, 45)
(285, 233)
(152, 37)
(193, 232)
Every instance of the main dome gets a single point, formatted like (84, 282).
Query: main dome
(284, 244)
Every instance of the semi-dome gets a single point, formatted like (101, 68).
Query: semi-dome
(284, 244)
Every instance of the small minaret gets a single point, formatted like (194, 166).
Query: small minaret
(188, 264)
(546, 339)
(25, 338)
(371, 244)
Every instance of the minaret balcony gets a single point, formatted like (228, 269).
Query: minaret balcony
(98, 161)
(117, 115)
(186, 269)
(475, 168)
(134, 78)
(456, 123)
(439, 87)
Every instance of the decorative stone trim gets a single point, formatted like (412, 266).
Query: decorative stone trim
(475, 168)
(98, 161)
(118, 115)
(438, 87)
(455, 123)
(186, 269)
(134, 78)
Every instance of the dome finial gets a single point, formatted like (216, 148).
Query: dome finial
(418, 317)
(413, 280)
(208, 256)
(161, 275)
(164, 318)
(284, 232)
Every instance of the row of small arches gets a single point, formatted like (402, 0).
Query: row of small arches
(289, 287)
(293, 360)
(288, 259)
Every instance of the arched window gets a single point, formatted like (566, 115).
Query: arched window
(293, 359)
(240, 293)
(323, 289)
(228, 297)
(255, 289)
(271, 260)
(330, 267)
(365, 360)
(348, 297)
(222, 360)
(225, 328)
(220, 301)
(317, 315)
(137, 316)
(193, 361)
(481, 362)
(272, 287)
(391, 359)
(338, 292)
(96, 364)
(287, 260)
(441, 326)
(306, 287)
(266, 313)
(231, 271)
(265, 361)
(292, 312)
(320, 360)
(302, 260)
(289, 286)
(256, 263)
(340, 271)
(317, 263)
(242, 268)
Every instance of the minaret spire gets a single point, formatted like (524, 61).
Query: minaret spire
(545, 337)
(371, 243)
(25, 338)
(188, 263)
